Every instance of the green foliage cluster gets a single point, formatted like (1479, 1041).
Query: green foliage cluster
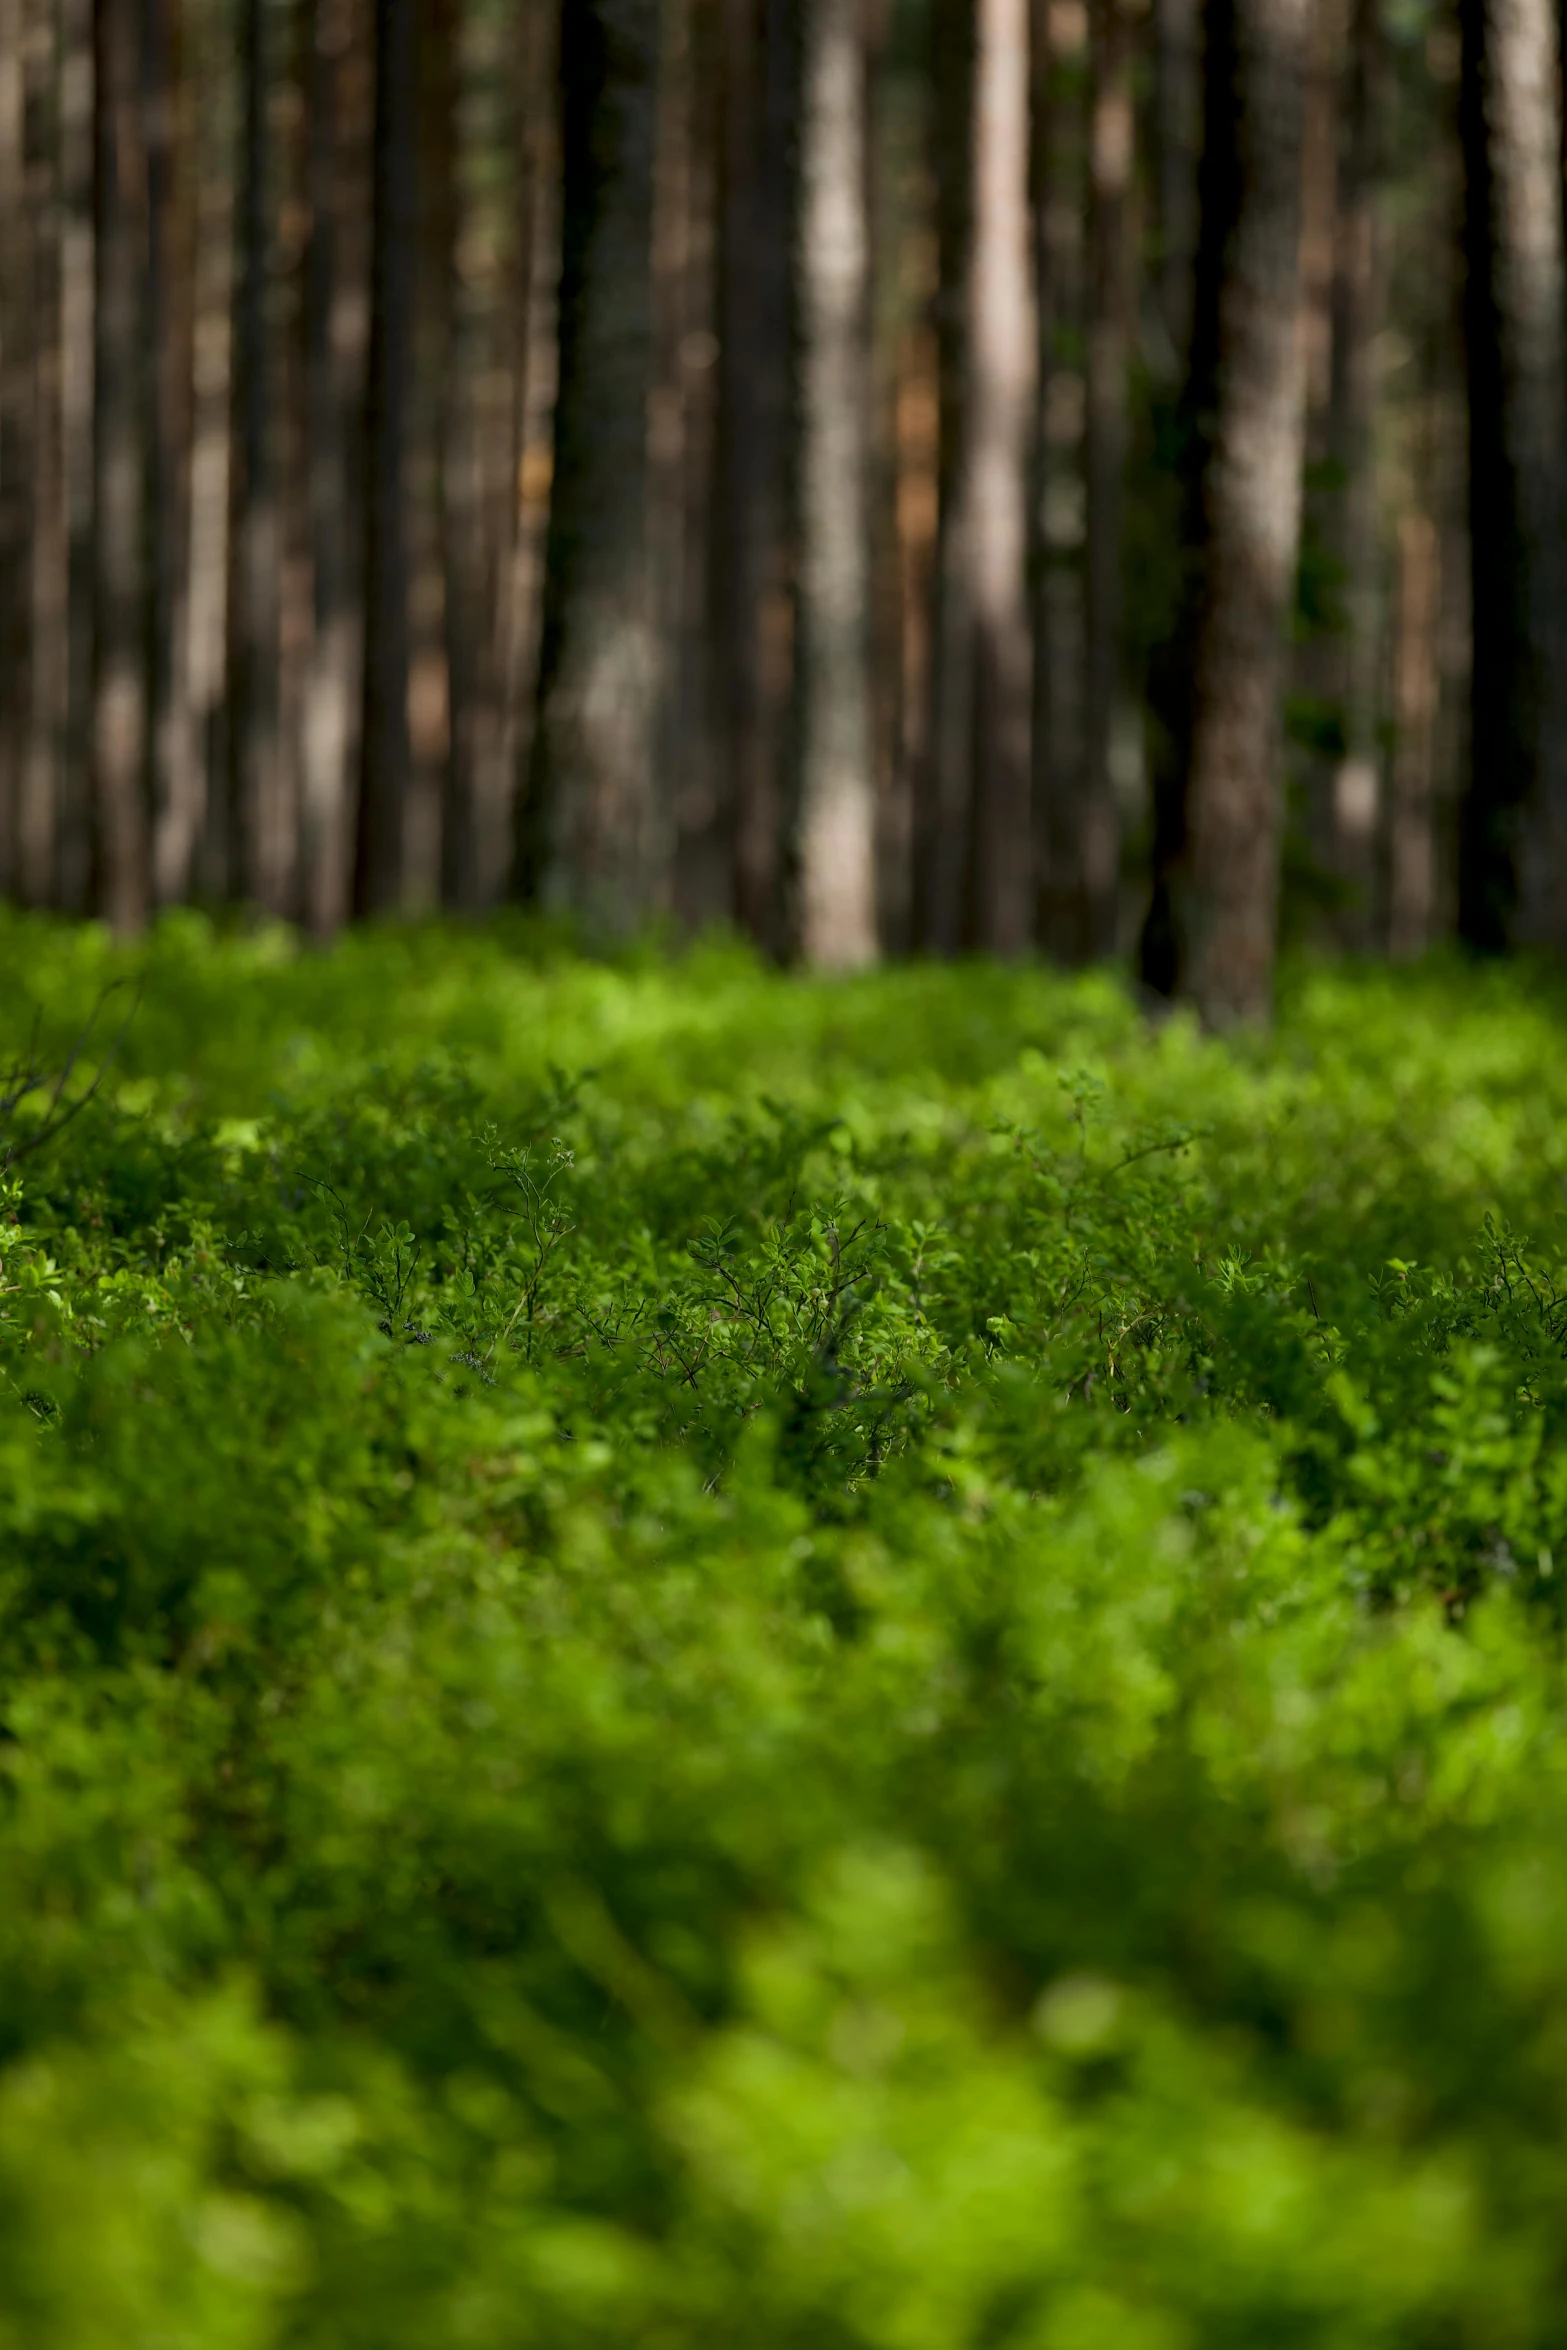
(691, 1658)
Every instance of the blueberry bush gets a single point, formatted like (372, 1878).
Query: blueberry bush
(699, 1658)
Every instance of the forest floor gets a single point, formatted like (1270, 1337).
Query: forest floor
(693, 1658)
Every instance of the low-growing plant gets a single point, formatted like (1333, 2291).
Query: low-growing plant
(886, 1671)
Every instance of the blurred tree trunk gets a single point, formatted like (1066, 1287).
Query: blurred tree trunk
(121, 367)
(1359, 296)
(997, 474)
(16, 417)
(384, 743)
(1059, 503)
(837, 815)
(77, 355)
(433, 394)
(751, 517)
(1110, 297)
(255, 535)
(1513, 863)
(45, 741)
(1210, 934)
(171, 744)
(1411, 891)
(329, 718)
(595, 841)
(943, 830)
(1176, 112)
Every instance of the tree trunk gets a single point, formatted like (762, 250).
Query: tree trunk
(751, 518)
(385, 750)
(1177, 77)
(997, 480)
(1109, 358)
(1411, 896)
(36, 862)
(255, 530)
(121, 877)
(328, 728)
(1358, 303)
(15, 433)
(1513, 870)
(596, 841)
(1059, 503)
(171, 743)
(837, 818)
(1210, 936)
(78, 351)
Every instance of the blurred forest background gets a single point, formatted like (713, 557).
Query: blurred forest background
(893, 475)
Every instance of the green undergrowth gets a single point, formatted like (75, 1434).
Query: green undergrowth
(689, 1658)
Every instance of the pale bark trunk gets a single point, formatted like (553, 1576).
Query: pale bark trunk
(119, 771)
(1514, 868)
(837, 821)
(1222, 879)
(997, 484)
(1110, 297)
(206, 851)
(384, 748)
(597, 840)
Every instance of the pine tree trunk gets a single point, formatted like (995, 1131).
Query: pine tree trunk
(1109, 358)
(1176, 109)
(121, 876)
(171, 742)
(15, 433)
(36, 861)
(78, 354)
(1513, 868)
(255, 540)
(1358, 303)
(751, 519)
(1059, 503)
(596, 841)
(1211, 933)
(329, 718)
(385, 749)
(837, 819)
(1001, 399)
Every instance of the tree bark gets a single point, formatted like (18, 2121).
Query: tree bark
(837, 821)
(254, 750)
(751, 515)
(1358, 304)
(1513, 864)
(16, 419)
(596, 842)
(120, 831)
(1211, 932)
(384, 749)
(996, 489)
(1110, 297)
(36, 862)
(78, 352)
(1176, 109)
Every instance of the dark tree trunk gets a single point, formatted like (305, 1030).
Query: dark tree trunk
(1109, 306)
(255, 527)
(121, 877)
(1513, 852)
(751, 558)
(595, 840)
(78, 352)
(1211, 932)
(1358, 303)
(384, 777)
(16, 417)
(36, 862)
